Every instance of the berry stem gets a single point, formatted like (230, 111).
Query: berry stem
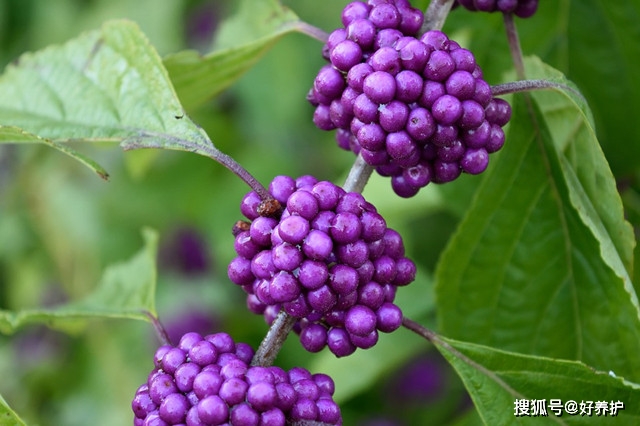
(435, 15)
(235, 167)
(159, 329)
(358, 176)
(311, 31)
(439, 342)
(514, 44)
(273, 341)
(529, 85)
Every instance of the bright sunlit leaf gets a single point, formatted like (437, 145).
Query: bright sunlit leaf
(106, 85)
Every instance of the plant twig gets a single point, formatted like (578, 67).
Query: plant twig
(529, 85)
(358, 176)
(514, 45)
(311, 31)
(159, 329)
(435, 339)
(273, 341)
(435, 15)
(235, 167)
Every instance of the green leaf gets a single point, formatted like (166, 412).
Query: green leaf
(603, 64)
(496, 379)
(539, 265)
(107, 85)
(241, 42)
(11, 134)
(126, 290)
(9, 417)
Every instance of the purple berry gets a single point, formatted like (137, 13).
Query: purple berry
(213, 410)
(521, 8)
(475, 161)
(386, 59)
(439, 66)
(286, 257)
(313, 274)
(345, 228)
(420, 124)
(461, 84)
(339, 343)
(414, 55)
(293, 229)
(447, 109)
(327, 253)
(385, 15)
(365, 109)
(380, 87)
(362, 31)
(388, 318)
(203, 353)
(345, 55)
(353, 11)
(360, 320)
(173, 409)
(426, 89)
(281, 188)
(393, 116)
(329, 82)
(313, 337)
(317, 245)
(284, 287)
(371, 137)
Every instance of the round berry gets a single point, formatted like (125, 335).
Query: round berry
(330, 253)
(379, 86)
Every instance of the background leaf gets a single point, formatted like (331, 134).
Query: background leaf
(8, 416)
(240, 43)
(495, 379)
(126, 290)
(535, 267)
(107, 85)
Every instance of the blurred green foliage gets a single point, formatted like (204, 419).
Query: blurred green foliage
(60, 226)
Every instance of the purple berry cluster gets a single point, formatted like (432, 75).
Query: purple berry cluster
(520, 8)
(209, 381)
(328, 260)
(416, 109)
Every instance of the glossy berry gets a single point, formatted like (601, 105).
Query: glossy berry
(415, 108)
(212, 383)
(520, 8)
(330, 261)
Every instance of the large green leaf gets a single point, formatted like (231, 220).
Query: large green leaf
(540, 263)
(106, 85)
(497, 379)
(126, 290)
(594, 193)
(241, 41)
(603, 64)
(9, 417)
